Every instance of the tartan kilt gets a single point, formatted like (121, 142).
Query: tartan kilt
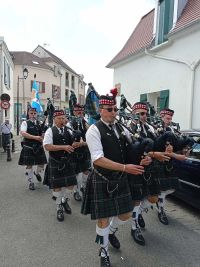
(31, 156)
(61, 173)
(167, 180)
(99, 202)
(82, 159)
(144, 185)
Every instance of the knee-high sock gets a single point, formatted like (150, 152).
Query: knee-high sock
(29, 174)
(84, 180)
(102, 239)
(114, 223)
(58, 196)
(134, 223)
(79, 178)
(65, 193)
(39, 169)
(161, 201)
(144, 205)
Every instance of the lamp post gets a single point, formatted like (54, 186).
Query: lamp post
(25, 75)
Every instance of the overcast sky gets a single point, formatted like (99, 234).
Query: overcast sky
(86, 34)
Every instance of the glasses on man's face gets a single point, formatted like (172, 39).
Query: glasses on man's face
(33, 113)
(111, 109)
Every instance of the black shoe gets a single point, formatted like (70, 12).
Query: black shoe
(105, 260)
(114, 241)
(77, 196)
(163, 217)
(66, 206)
(60, 214)
(38, 177)
(31, 186)
(141, 221)
(137, 236)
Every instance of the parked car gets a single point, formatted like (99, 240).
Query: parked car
(188, 172)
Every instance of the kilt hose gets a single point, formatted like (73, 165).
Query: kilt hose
(32, 155)
(82, 159)
(145, 185)
(61, 173)
(106, 197)
(166, 178)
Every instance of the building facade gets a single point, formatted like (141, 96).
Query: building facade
(160, 62)
(6, 81)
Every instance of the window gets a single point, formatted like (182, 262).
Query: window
(67, 79)
(66, 94)
(143, 98)
(73, 81)
(55, 91)
(81, 99)
(6, 73)
(41, 86)
(164, 99)
(166, 12)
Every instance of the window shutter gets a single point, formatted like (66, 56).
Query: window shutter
(164, 99)
(143, 98)
(43, 87)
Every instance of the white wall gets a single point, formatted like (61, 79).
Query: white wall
(146, 74)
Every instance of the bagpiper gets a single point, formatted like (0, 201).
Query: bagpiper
(61, 166)
(79, 127)
(107, 198)
(32, 153)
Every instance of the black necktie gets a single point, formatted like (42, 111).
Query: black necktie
(112, 129)
(61, 131)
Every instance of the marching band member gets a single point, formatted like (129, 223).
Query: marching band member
(61, 166)
(107, 192)
(32, 151)
(145, 187)
(79, 127)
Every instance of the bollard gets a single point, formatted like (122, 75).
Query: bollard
(13, 145)
(8, 153)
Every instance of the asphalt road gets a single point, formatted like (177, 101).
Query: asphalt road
(30, 234)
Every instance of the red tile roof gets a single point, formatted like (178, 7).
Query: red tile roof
(142, 36)
(190, 15)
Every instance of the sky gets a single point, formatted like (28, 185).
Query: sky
(85, 34)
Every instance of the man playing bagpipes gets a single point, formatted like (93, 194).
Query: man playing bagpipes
(32, 150)
(79, 127)
(61, 166)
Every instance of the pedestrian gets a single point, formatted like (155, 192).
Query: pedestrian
(5, 129)
(107, 198)
(32, 153)
(61, 166)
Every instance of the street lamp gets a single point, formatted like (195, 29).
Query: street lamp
(25, 75)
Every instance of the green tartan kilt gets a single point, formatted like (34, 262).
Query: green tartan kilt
(82, 159)
(31, 156)
(61, 173)
(167, 180)
(104, 199)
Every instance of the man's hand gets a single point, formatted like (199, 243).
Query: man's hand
(146, 161)
(169, 149)
(161, 156)
(176, 156)
(39, 138)
(76, 144)
(69, 149)
(134, 169)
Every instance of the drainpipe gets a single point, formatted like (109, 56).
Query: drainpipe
(192, 67)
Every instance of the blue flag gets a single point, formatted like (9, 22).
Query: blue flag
(35, 100)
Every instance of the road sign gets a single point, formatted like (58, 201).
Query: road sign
(5, 97)
(5, 104)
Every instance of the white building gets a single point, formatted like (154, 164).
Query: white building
(160, 62)
(6, 81)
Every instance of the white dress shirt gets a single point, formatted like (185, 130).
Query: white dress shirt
(93, 140)
(5, 128)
